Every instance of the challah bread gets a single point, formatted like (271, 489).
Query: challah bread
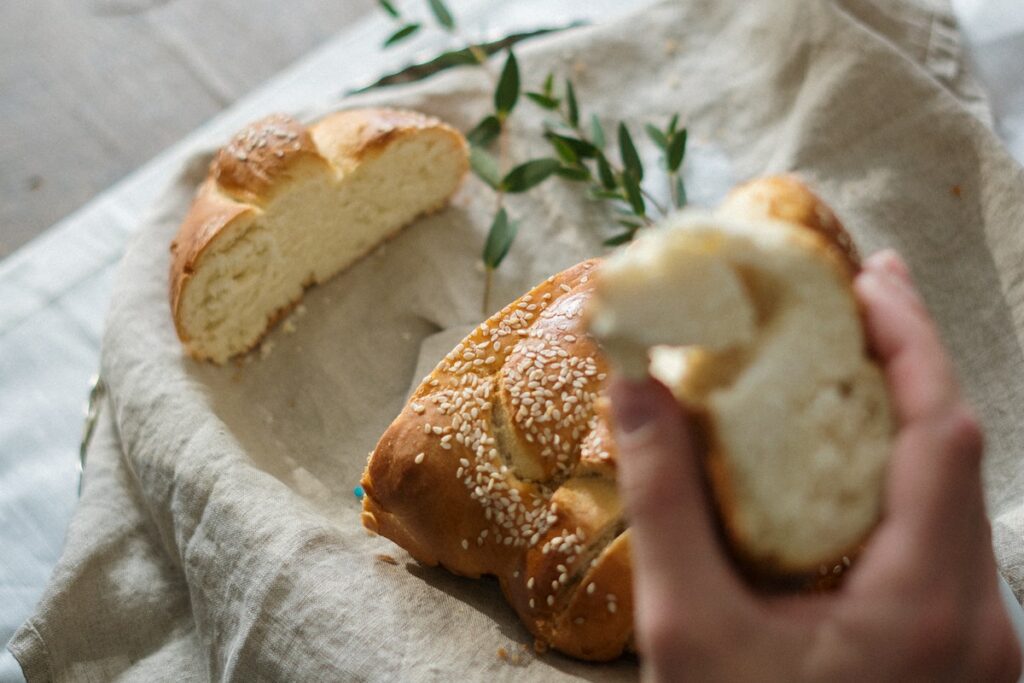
(285, 206)
(503, 462)
(794, 411)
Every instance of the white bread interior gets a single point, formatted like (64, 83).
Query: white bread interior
(762, 337)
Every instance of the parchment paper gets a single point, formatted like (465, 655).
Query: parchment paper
(218, 536)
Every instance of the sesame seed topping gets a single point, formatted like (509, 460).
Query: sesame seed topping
(551, 600)
(612, 607)
(465, 544)
(591, 588)
(419, 458)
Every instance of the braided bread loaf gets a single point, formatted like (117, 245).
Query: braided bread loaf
(503, 463)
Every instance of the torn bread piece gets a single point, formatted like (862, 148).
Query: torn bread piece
(756, 329)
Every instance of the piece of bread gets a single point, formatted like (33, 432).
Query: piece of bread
(769, 353)
(503, 463)
(285, 206)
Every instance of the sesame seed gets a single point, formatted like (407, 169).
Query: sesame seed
(551, 600)
(418, 408)
(465, 544)
(533, 603)
(591, 588)
(612, 607)
(419, 458)
(529, 583)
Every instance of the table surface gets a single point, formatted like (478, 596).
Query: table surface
(89, 90)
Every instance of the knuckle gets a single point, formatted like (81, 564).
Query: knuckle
(965, 432)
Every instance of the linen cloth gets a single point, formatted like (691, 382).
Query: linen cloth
(217, 535)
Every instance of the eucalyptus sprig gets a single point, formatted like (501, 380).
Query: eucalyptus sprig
(578, 155)
(584, 159)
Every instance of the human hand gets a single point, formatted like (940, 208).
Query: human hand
(921, 603)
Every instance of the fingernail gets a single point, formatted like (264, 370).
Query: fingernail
(891, 262)
(634, 404)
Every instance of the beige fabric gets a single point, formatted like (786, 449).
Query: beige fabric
(218, 535)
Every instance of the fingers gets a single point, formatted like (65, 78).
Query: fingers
(679, 563)
(920, 375)
(934, 484)
(934, 499)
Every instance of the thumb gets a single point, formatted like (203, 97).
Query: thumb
(677, 557)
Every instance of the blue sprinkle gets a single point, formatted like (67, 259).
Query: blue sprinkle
(359, 492)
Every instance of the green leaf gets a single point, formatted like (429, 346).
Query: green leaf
(484, 132)
(532, 173)
(543, 100)
(455, 58)
(632, 223)
(596, 132)
(598, 193)
(636, 198)
(604, 172)
(621, 238)
(659, 138)
(672, 124)
(565, 152)
(572, 110)
(389, 8)
(574, 172)
(676, 151)
(401, 34)
(582, 148)
(630, 159)
(499, 239)
(681, 199)
(549, 84)
(444, 17)
(508, 87)
(485, 166)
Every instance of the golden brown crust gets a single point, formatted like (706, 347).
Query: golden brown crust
(569, 576)
(259, 157)
(787, 198)
(348, 137)
(512, 408)
(259, 161)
